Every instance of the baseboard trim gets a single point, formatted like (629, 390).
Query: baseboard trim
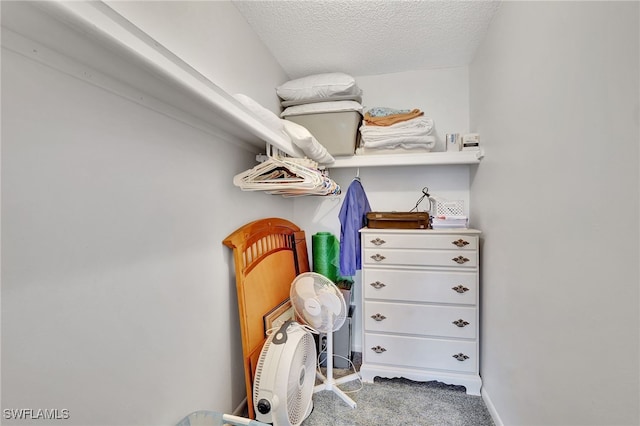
(241, 410)
(492, 409)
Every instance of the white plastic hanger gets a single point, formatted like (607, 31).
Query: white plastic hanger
(286, 176)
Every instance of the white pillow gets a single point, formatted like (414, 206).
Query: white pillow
(318, 86)
(266, 116)
(320, 107)
(303, 139)
(357, 97)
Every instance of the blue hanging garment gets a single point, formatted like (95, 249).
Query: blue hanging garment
(353, 215)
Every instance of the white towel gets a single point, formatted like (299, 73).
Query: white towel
(408, 134)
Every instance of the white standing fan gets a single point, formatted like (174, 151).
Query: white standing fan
(319, 302)
(284, 379)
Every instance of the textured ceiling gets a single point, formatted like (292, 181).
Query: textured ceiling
(368, 37)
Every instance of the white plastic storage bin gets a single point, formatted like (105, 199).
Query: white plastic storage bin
(337, 131)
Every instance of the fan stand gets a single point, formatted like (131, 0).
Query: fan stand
(331, 384)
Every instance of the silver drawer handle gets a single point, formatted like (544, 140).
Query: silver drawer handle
(460, 288)
(378, 242)
(378, 257)
(460, 357)
(378, 317)
(378, 349)
(460, 322)
(460, 243)
(460, 260)
(377, 285)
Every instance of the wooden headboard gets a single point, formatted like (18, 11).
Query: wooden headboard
(268, 255)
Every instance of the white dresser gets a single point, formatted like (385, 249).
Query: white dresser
(420, 305)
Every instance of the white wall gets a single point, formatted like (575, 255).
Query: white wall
(444, 96)
(215, 39)
(118, 299)
(554, 95)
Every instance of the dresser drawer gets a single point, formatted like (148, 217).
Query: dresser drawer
(420, 286)
(420, 241)
(420, 352)
(403, 257)
(426, 320)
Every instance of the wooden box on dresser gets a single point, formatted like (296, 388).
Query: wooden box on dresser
(420, 305)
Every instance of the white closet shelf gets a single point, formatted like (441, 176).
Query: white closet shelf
(91, 41)
(427, 158)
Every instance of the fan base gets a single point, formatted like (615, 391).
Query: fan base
(332, 385)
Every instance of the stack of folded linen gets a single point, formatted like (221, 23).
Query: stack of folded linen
(328, 105)
(443, 222)
(390, 130)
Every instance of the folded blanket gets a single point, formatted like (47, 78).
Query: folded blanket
(386, 111)
(373, 116)
(304, 140)
(266, 116)
(408, 142)
(415, 126)
(398, 149)
(370, 139)
(412, 133)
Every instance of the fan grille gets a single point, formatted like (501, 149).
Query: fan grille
(301, 293)
(259, 367)
(286, 373)
(302, 371)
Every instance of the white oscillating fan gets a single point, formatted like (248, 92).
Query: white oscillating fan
(284, 379)
(317, 300)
